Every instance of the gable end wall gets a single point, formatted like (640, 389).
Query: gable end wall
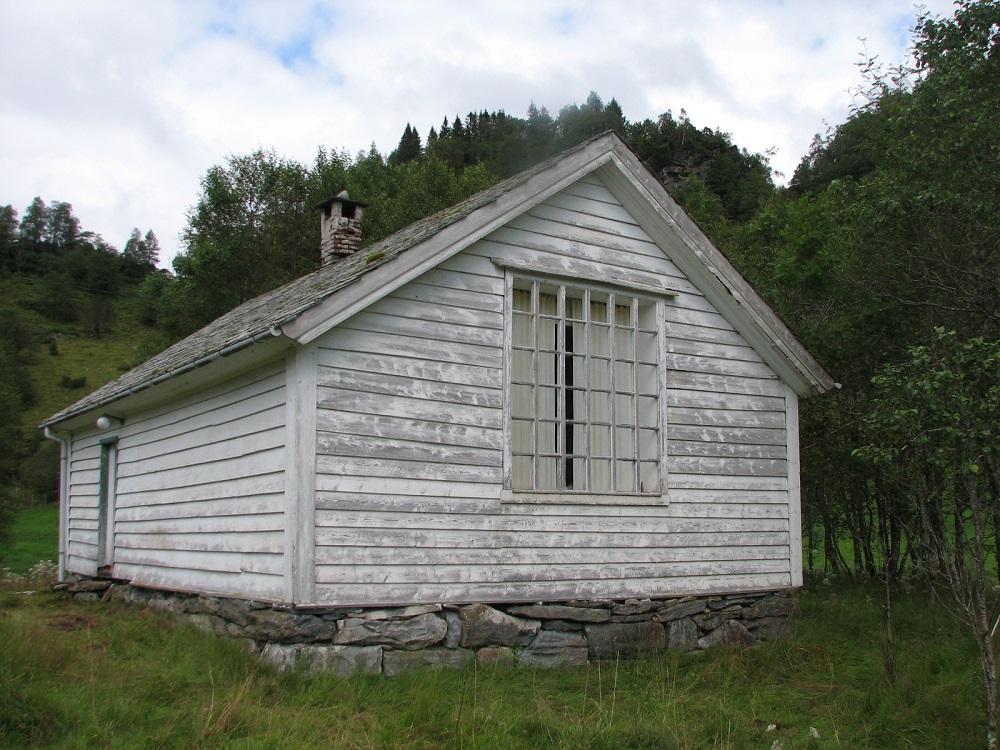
(409, 441)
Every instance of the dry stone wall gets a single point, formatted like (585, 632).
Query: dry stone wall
(391, 640)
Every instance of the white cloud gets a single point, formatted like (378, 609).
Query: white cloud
(120, 107)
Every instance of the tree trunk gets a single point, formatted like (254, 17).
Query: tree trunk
(989, 665)
(890, 641)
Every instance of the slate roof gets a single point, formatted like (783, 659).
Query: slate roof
(256, 318)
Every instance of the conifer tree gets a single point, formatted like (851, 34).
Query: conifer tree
(409, 146)
(63, 226)
(8, 239)
(34, 226)
(152, 256)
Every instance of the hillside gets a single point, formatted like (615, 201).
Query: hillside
(78, 356)
(53, 364)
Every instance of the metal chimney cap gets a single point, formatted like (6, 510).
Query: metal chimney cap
(340, 197)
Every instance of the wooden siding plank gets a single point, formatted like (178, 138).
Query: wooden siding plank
(414, 487)
(742, 435)
(249, 585)
(246, 542)
(333, 444)
(726, 417)
(440, 311)
(418, 557)
(707, 481)
(725, 450)
(241, 563)
(204, 525)
(463, 282)
(592, 191)
(706, 349)
(390, 594)
(701, 363)
(408, 428)
(679, 507)
(376, 467)
(508, 573)
(398, 538)
(701, 381)
(443, 295)
(384, 343)
(411, 387)
(229, 506)
(409, 408)
(524, 522)
(677, 311)
(423, 329)
(728, 466)
(692, 399)
(244, 486)
(424, 369)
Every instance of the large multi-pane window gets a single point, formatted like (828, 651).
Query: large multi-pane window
(584, 394)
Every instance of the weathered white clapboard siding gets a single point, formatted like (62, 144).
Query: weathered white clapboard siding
(409, 440)
(200, 490)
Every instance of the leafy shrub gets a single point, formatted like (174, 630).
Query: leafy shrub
(71, 383)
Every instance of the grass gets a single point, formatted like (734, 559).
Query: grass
(34, 536)
(101, 676)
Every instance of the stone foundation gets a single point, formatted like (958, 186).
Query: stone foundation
(393, 639)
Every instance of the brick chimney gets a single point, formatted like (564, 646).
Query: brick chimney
(340, 227)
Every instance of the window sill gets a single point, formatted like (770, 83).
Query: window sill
(509, 497)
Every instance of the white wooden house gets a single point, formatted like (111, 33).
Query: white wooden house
(557, 389)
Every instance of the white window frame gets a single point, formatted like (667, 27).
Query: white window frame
(559, 496)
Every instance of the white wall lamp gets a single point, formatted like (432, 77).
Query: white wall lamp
(106, 422)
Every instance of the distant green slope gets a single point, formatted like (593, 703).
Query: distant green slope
(80, 355)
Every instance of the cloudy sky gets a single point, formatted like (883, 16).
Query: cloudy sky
(120, 107)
